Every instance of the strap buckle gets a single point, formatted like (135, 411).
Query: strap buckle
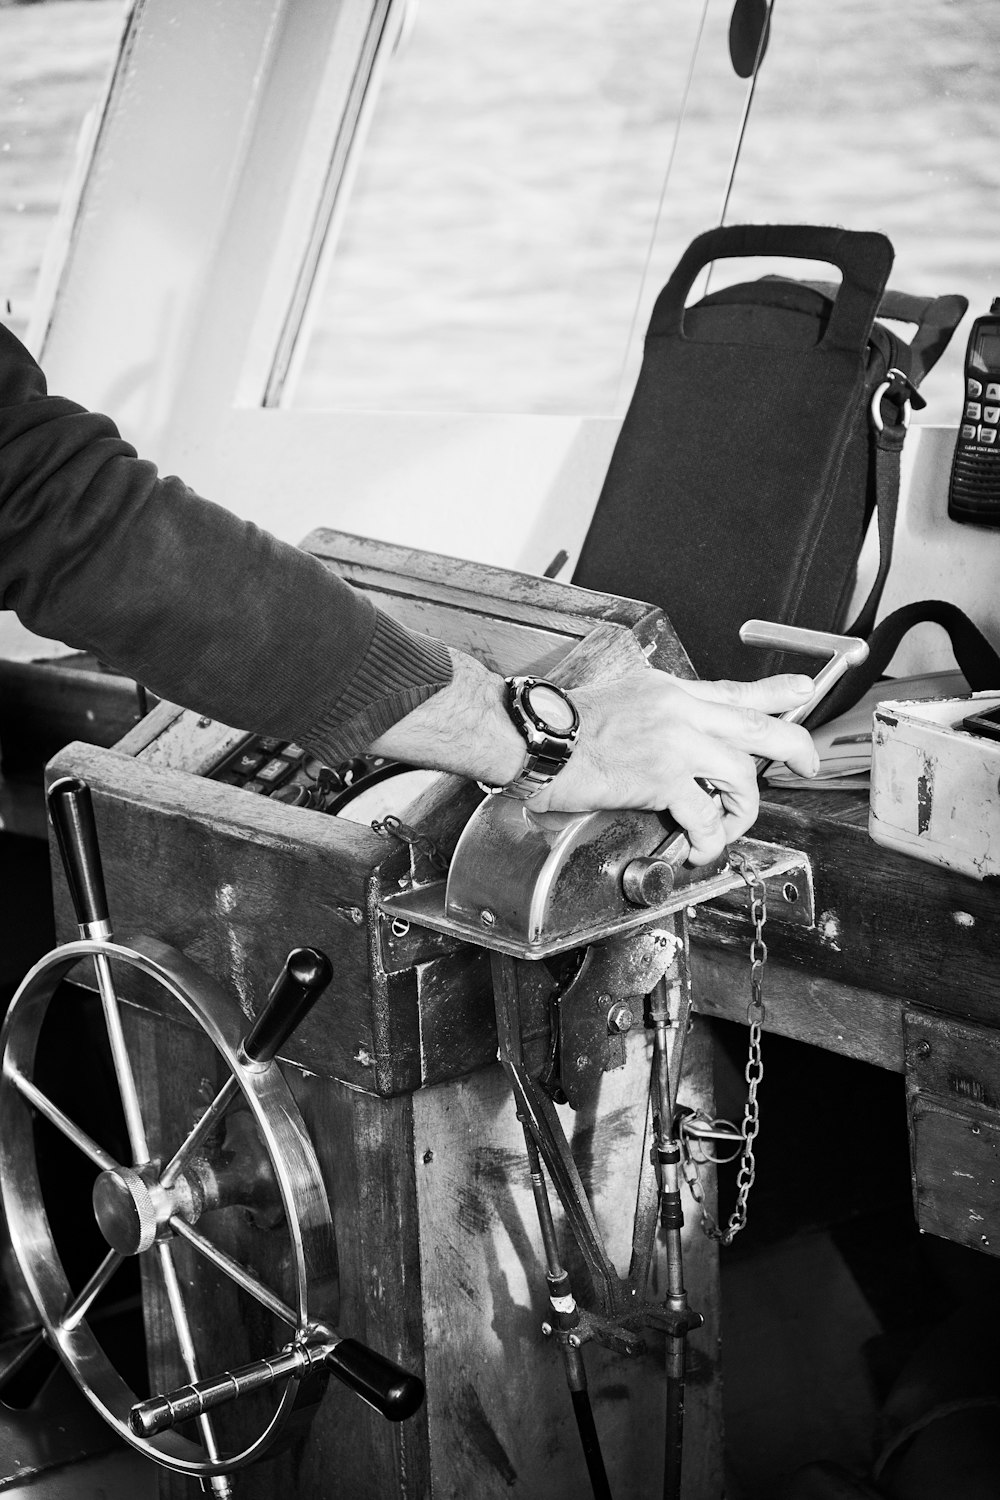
(899, 388)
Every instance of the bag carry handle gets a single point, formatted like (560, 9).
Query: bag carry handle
(863, 259)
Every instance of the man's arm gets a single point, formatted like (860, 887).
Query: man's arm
(209, 611)
(204, 609)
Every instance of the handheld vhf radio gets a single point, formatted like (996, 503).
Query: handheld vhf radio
(974, 489)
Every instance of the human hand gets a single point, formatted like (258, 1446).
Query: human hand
(647, 738)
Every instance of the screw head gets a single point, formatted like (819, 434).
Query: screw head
(487, 917)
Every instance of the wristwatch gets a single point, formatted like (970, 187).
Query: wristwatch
(550, 724)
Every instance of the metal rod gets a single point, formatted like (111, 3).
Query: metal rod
(584, 1413)
(62, 1122)
(185, 1339)
(123, 1067)
(234, 1271)
(671, 1219)
(566, 1315)
(185, 1150)
(537, 1111)
(81, 1304)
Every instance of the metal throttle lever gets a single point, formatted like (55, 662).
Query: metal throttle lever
(649, 881)
(391, 1390)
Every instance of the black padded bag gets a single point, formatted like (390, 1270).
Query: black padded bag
(764, 430)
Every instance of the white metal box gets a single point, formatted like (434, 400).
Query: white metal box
(935, 787)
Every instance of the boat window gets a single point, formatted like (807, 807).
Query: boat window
(506, 237)
(496, 241)
(55, 64)
(869, 118)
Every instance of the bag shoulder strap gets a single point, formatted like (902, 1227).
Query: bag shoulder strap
(936, 319)
(977, 660)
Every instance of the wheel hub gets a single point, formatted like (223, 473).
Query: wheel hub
(124, 1209)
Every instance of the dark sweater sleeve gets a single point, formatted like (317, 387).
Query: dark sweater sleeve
(204, 609)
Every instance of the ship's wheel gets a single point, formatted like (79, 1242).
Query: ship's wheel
(157, 1200)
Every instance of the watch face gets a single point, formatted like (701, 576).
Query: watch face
(551, 709)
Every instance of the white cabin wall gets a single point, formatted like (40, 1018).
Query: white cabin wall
(202, 202)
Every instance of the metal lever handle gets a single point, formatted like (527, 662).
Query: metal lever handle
(649, 881)
(71, 810)
(844, 652)
(391, 1390)
(305, 976)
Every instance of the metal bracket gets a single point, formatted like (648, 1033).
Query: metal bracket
(603, 1002)
(786, 872)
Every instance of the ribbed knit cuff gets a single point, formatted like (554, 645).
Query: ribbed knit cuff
(400, 671)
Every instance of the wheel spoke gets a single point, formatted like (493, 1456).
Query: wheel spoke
(76, 1311)
(123, 1068)
(234, 1271)
(83, 1302)
(185, 1339)
(215, 1110)
(22, 1357)
(62, 1122)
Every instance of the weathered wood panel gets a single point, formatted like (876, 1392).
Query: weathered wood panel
(804, 1006)
(953, 1098)
(955, 1061)
(45, 704)
(884, 922)
(235, 882)
(500, 1415)
(499, 615)
(956, 1164)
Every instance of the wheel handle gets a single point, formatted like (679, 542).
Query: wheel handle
(305, 976)
(391, 1390)
(71, 810)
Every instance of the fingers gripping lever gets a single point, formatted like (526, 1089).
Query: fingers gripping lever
(649, 881)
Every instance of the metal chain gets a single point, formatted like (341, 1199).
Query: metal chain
(397, 829)
(753, 1073)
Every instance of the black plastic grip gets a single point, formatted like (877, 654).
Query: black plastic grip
(305, 976)
(391, 1390)
(72, 813)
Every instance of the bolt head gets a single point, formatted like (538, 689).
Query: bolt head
(620, 1018)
